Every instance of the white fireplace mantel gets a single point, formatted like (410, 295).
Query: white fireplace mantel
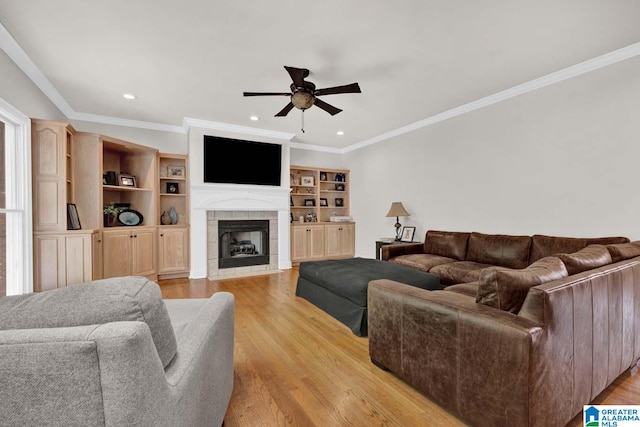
(223, 197)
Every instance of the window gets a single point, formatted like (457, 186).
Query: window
(16, 259)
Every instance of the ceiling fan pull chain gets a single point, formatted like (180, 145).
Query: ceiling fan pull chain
(302, 121)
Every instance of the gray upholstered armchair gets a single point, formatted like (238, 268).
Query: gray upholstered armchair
(114, 353)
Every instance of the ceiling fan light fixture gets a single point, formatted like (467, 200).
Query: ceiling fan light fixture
(302, 100)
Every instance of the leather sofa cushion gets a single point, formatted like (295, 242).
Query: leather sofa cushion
(449, 244)
(542, 246)
(593, 256)
(470, 289)
(499, 250)
(506, 289)
(623, 251)
(422, 262)
(455, 272)
(95, 303)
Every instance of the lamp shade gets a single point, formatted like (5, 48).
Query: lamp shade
(397, 210)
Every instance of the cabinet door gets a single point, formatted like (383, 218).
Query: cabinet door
(77, 259)
(96, 249)
(49, 176)
(144, 252)
(299, 243)
(117, 253)
(332, 240)
(315, 241)
(339, 240)
(347, 243)
(49, 263)
(174, 250)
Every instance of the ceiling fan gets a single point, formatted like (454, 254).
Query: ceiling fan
(304, 93)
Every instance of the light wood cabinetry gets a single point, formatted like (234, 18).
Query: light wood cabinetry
(307, 242)
(76, 167)
(52, 174)
(173, 192)
(173, 253)
(62, 259)
(339, 240)
(129, 251)
(317, 194)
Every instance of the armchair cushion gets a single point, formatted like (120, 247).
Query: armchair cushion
(593, 256)
(506, 289)
(98, 302)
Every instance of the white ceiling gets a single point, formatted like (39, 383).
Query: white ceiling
(413, 59)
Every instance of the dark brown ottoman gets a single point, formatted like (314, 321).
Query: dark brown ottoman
(339, 287)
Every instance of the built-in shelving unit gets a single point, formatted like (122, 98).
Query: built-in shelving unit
(317, 194)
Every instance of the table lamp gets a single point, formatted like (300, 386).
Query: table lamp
(397, 210)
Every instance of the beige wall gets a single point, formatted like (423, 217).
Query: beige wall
(561, 160)
(3, 224)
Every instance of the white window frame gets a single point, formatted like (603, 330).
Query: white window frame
(18, 211)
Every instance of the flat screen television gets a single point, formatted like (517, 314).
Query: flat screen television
(234, 161)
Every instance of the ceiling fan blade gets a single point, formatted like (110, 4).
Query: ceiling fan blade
(326, 107)
(352, 88)
(266, 94)
(285, 110)
(297, 75)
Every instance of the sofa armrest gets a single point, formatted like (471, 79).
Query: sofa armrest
(203, 365)
(107, 374)
(454, 350)
(391, 251)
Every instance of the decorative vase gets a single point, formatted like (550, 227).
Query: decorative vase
(109, 220)
(174, 215)
(165, 219)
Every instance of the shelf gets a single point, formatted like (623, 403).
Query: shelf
(121, 188)
(172, 178)
(173, 194)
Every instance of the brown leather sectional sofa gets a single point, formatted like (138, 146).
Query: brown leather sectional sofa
(531, 329)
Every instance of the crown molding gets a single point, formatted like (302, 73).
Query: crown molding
(22, 60)
(227, 127)
(530, 86)
(108, 120)
(17, 54)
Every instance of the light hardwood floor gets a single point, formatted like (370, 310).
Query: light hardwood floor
(296, 365)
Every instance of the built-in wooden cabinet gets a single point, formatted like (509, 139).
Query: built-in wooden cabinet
(52, 174)
(173, 193)
(339, 240)
(62, 259)
(92, 171)
(129, 251)
(173, 253)
(307, 242)
(319, 195)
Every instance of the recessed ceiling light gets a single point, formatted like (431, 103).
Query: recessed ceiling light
(129, 96)
(254, 118)
(340, 132)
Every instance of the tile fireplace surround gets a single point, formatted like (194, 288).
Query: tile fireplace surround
(213, 202)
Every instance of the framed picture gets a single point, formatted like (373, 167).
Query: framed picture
(73, 220)
(323, 176)
(407, 234)
(309, 202)
(339, 187)
(173, 187)
(339, 201)
(324, 202)
(127, 180)
(307, 180)
(178, 171)
(340, 177)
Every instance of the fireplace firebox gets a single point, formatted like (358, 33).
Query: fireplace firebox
(243, 243)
